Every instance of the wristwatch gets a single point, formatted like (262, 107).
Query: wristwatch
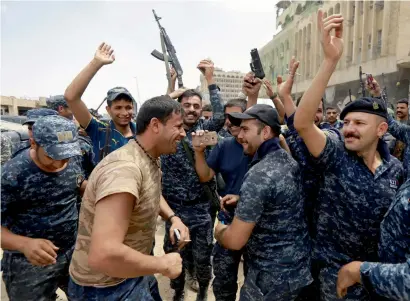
(274, 96)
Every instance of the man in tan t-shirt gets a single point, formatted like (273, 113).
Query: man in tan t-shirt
(118, 215)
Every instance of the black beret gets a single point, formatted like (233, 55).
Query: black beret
(368, 105)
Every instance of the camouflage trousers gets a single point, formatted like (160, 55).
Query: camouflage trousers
(264, 286)
(226, 266)
(140, 288)
(198, 221)
(25, 281)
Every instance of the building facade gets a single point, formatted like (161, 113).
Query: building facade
(11, 105)
(376, 37)
(230, 83)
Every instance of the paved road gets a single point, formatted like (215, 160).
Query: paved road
(165, 290)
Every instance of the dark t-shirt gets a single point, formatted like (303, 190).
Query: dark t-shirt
(40, 204)
(227, 158)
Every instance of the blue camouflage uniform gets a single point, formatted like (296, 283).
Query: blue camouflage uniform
(401, 132)
(97, 129)
(351, 204)
(32, 116)
(6, 148)
(224, 133)
(56, 101)
(39, 204)
(87, 154)
(391, 277)
(271, 196)
(312, 179)
(228, 159)
(185, 195)
(338, 125)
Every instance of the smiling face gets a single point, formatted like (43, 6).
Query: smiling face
(402, 111)
(121, 111)
(252, 134)
(170, 134)
(192, 107)
(362, 130)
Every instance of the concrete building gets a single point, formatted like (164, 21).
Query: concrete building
(230, 83)
(11, 105)
(376, 37)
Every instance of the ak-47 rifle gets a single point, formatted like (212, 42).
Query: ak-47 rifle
(171, 57)
(361, 82)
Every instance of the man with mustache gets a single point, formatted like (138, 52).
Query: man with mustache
(183, 190)
(228, 159)
(120, 106)
(360, 178)
(390, 277)
(332, 118)
(402, 111)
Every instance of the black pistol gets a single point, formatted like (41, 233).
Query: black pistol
(256, 64)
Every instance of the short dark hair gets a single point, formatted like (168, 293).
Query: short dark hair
(160, 107)
(118, 98)
(236, 102)
(261, 125)
(403, 100)
(188, 94)
(207, 108)
(331, 108)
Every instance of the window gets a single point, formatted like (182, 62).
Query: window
(359, 55)
(361, 7)
(337, 8)
(379, 42)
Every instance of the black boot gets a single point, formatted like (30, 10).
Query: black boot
(179, 295)
(202, 293)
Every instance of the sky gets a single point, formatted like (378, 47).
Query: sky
(45, 44)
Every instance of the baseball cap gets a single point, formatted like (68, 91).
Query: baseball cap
(368, 105)
(262, 112)
(55, 101)
(34, 114)
(113, 94)
(58, 136)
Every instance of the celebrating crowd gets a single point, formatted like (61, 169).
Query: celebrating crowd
(317, 210)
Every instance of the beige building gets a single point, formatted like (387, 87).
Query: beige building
(11, 105)
(376, 37)
(230, 83)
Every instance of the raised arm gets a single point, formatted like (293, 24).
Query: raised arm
(216, 122)
(250, 87)
(74, 92)
(313, 137)
(205, 173)
(285, 88)
(275, 99)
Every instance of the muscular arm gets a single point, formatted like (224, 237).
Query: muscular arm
(236, 235)
(11, 241)
(76, 89)
(108, 253)
(313, 137)
(205, 173)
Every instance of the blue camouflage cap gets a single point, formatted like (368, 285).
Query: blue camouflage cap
(58, 136)
(34, 114)
(114, 93)
(55, 101)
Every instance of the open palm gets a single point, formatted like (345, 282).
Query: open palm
(332, 45)
(104, 54)
(285, 88)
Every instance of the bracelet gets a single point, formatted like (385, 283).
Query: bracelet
(169, 218)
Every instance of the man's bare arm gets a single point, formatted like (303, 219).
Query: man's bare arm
(235, 236)
(108, 253)
(103, 56)
(204, 172)
(275, 99)
(313, 137)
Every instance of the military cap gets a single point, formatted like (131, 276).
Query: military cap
(34, 114)
(368, 105)
(114, 93)
(55, 101)
(262, 112)
(58, 136)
